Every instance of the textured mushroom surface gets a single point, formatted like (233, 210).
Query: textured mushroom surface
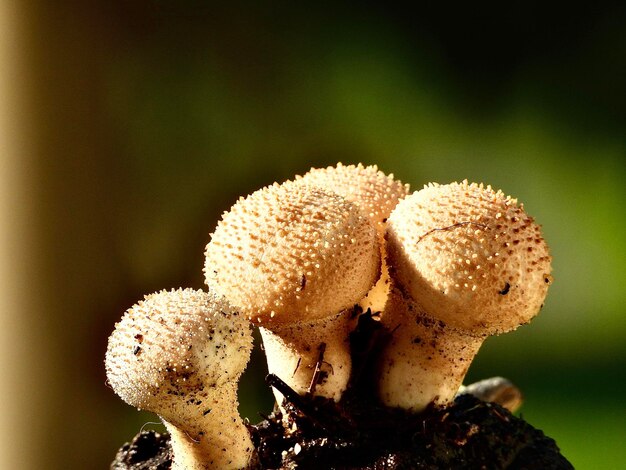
(180, 354)
(471, 254)
(173, 343)
(292, 252)
(373, 191)
(376, 194)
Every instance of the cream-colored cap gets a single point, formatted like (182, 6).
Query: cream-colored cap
(469, 256)
(292, 252)
(373, 191)
(173, 343)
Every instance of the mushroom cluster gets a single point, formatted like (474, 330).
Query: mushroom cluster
(439, 269)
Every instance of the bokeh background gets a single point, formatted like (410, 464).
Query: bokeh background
(126, 128)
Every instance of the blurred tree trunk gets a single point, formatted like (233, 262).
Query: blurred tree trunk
(54, 164)
(22, 376)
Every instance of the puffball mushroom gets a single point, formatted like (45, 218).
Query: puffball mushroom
(294, 258)
(180, 354)
(466, 262)
(376, 194)
(496, 390)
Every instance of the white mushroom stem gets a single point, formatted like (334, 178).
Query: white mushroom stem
(311, 357)
(377, 297)
(199, 443)
(425, 360)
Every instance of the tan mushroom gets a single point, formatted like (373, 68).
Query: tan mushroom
(180, 354)
(376, 194)
(294, 259)
(495, 390)
(466, 262)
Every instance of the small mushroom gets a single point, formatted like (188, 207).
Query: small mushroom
(495, 390)
(376, 194)
(294, 258)
(180, 354)
(466, 262)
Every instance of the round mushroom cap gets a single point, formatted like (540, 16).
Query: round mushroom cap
(174, 343)
(292, 252)
(374, 192)
(469, 256)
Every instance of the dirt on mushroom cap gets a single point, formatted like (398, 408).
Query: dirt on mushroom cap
(177, 340)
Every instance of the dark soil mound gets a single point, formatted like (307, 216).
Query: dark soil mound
(360, 433)
(469, 434)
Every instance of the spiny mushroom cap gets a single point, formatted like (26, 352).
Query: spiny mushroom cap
(374, 192)
(292, 252)
(174, 343)
(469, 256)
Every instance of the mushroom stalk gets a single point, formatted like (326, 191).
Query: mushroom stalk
(377, 297)
(313, 357)
(425, 360)
(198, 444)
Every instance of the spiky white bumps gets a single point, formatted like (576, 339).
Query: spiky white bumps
(376, 194)
(180, 354)
(466, 262)
(294, 258)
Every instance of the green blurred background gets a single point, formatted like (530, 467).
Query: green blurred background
(145, 120)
